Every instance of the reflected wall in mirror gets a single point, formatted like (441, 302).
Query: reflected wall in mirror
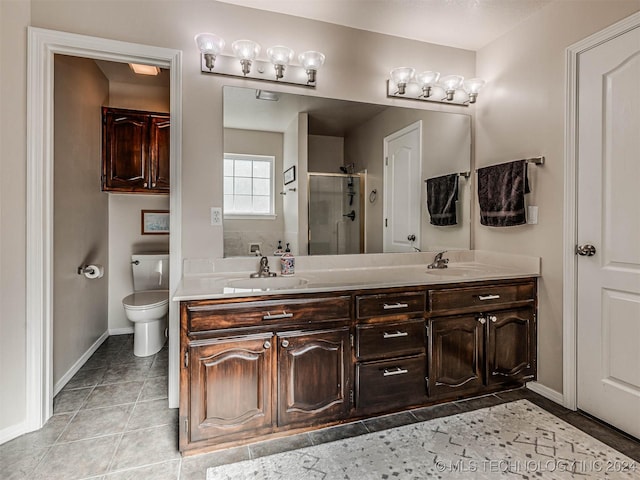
(327, 138)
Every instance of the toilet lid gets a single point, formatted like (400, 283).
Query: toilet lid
(146, 299)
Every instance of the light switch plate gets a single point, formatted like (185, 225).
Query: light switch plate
(532, 215)
(216, 216)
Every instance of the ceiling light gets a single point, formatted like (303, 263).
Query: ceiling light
(144, 69)
(280, 56)
(427, 80)
(266, 95)
(472, 87)
(311, 61)
(450, 84)
(401, 77)
(404, 83)
(246, 51)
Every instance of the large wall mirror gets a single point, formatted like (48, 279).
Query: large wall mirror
(327, 176)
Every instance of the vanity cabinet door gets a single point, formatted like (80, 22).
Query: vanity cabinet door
(511, 346)
(230, 390)
(457, 355)
(313, 376)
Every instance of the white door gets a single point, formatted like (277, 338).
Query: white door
(402, 188)
(609, 220)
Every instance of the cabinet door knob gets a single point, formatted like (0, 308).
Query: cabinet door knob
(285, 343)
(482, 320)
(153, 185)
(145, 184)
(493, 318)
(267, 344)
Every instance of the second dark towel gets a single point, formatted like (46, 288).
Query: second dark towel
(442, 195)
(501, 190)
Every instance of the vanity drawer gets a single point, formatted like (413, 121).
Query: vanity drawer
(480, 298)
(390, 339)
(368, 306)
(391, 383)
(203, 317)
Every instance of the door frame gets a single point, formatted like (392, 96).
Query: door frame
(417, 125)
(43, 44)
(571, 167)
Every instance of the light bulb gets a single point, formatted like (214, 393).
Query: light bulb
(280, 56)
(401, 77)
(450, 83)
(246, 51)
(210, 45)
(472, 87)
(311, 61)
(427, 80)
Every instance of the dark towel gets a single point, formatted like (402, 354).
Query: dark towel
(442, 195)
(501, 190)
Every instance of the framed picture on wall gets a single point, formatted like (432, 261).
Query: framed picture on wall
(155, 222)
(289, 175)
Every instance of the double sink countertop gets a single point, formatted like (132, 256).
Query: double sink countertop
(230, 277)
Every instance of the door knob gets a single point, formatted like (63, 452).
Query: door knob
(285, 343)
(267, 345)
(411, 238)
(482, 320)
(586, 250)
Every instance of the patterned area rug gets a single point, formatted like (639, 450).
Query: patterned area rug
(513, 440)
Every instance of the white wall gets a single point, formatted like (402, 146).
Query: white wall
(357, 66)
(521, 114)
(326, 153)
(81, 211)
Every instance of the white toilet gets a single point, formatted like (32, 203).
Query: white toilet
(148, 306)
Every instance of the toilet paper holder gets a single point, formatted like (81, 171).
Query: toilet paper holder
(90, 269)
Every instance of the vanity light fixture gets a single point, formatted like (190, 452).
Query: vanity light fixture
(311, 61)
(214, 60)
(210, 45)
(246, 51)
(429, 86)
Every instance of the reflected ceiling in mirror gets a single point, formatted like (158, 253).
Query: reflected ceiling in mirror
(337, 148)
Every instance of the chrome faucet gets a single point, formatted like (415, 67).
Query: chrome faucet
(438, 261)
(263, 270)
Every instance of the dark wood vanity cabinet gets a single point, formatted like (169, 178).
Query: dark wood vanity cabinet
(135, 151)
(390, 354)
(313, 376)
(271, 365)
(229, 387)
(492, 345)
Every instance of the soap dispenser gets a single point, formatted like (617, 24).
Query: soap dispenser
(279, 250)
(287, 262)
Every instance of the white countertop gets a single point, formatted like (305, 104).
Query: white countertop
(230, 277)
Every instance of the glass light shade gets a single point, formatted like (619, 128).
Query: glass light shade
(451, 82)
(402, 75)
(245, 49)
(311, 60)
(473, 85)
(280, 55)
(428, 79)
(209, 43)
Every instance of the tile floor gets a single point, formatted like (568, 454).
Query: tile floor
(112, 422)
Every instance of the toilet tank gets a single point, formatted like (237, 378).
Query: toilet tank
(150, 271)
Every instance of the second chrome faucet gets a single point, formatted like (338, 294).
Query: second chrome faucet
(263, 269)
(438, 261)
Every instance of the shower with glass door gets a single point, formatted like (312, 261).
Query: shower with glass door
(336, 213)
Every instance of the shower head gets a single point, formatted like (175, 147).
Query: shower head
(343, 169)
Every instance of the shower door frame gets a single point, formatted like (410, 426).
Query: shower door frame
(360, 177)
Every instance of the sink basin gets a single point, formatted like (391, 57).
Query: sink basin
(267, 283)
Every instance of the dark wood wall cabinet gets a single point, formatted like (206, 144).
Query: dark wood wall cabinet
(274, 365)
(135, 151)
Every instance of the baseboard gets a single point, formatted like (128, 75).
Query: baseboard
(546, 392)
(121, 331)
(13, 431)
(81, 361)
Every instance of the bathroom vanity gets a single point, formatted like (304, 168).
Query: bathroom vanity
(259, 364)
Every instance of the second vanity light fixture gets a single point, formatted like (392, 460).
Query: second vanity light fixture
(431, 87)
(244, 62)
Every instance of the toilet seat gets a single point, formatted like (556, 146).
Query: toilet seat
(146, 299)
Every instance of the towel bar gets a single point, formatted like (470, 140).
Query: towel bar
(533, 161)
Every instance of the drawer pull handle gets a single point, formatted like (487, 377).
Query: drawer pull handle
(389, 372)
(396, 334)
(277, 316)
(392, 306)
(488, 297)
